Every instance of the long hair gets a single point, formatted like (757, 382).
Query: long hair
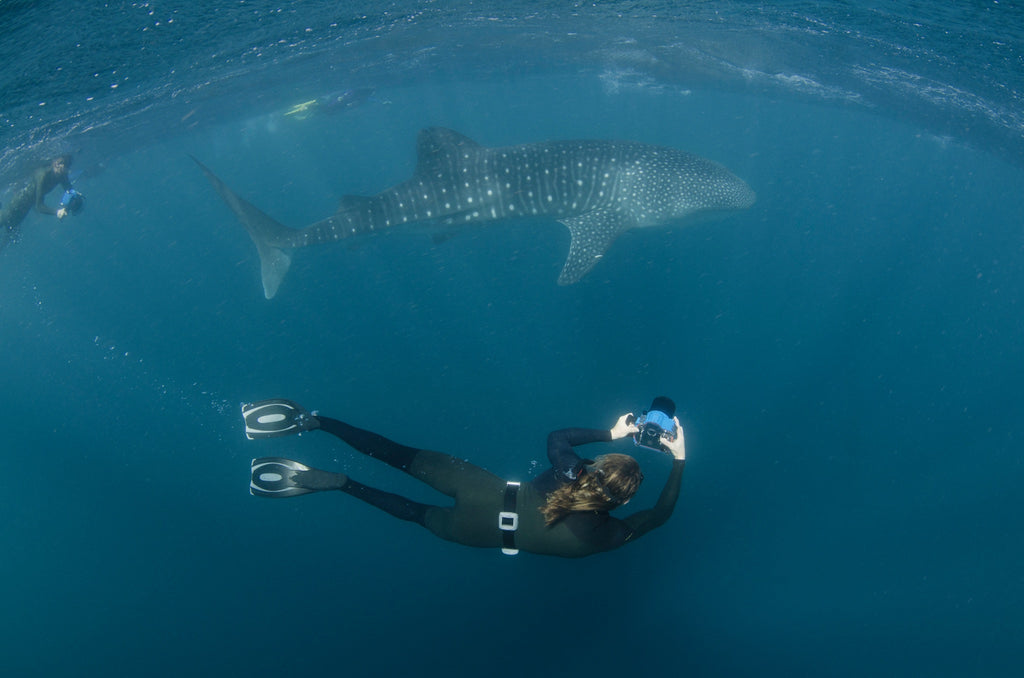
(604, 485)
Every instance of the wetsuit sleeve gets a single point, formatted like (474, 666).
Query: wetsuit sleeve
(563, 457)
(42, 188)
(642, 522)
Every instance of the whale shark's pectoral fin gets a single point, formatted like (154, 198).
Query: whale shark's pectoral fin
(592, 234)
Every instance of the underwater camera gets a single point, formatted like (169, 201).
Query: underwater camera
(655, 424)
(72, 201)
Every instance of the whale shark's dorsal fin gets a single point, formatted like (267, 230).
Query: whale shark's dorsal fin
(354, 202)
(435, 148)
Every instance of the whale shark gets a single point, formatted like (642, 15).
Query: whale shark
(597, 189)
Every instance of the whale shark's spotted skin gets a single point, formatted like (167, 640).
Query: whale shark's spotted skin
(598, 189)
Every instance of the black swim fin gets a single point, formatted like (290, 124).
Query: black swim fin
(279, 477)
(275, 477)
(276, 417)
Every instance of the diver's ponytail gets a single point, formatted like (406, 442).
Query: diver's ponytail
(606, 484)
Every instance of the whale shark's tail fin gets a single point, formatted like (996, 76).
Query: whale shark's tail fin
(263, 230)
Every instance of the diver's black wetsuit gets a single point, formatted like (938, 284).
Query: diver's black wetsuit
(479, 496)
(31, 195)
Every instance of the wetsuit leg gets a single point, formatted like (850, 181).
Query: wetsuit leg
(371, 444)
(478, 493)
(443, 472)
(398, 506)
(14, 212)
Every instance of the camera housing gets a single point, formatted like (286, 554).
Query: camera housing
(72, 201)
(654, 427)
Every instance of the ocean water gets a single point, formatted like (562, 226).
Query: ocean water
(846, 355)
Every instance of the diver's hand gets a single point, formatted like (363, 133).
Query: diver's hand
(623, 429)
(677, 447)
(62, 212)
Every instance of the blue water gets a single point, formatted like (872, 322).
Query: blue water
(846, 355)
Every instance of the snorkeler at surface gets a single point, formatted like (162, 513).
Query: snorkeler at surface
(563, 512)
(335, 102)
(44, 180)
